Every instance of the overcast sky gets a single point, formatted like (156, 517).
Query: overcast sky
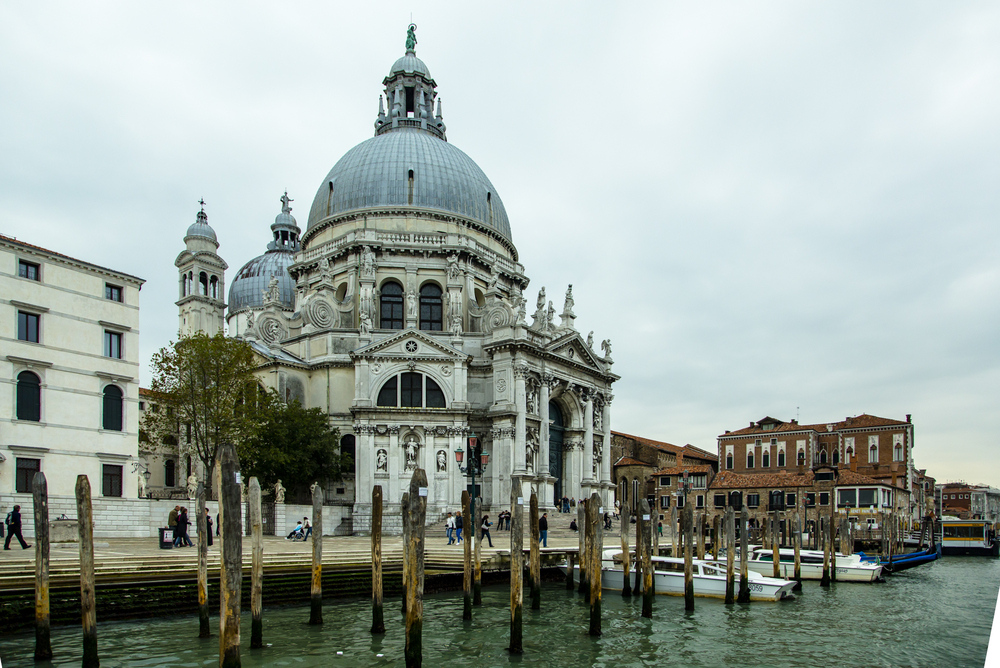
(784, 209)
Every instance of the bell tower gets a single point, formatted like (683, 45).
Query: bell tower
(201, 307)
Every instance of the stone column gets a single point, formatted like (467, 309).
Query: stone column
(396, 458)
(606, 453)
(520, 404)
(545, 487)
(588, 440)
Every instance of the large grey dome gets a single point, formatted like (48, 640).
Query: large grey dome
(247, 289)
(376, 173)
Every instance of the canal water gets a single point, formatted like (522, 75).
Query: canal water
(935, 615)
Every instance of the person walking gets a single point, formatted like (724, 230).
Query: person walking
(307, 528)
(484, 530)
(543, 529)
(208, 526)
(458, 527)
(13, 523)
(449, 528)
(182, 529)
(172, 523)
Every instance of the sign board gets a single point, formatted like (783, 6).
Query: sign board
(520, 500)
(237, 477)
(601, 510)
(645, 518)
(421, 491)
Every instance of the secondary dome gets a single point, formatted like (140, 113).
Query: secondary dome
(409, 167)
(201, 228)
(247, 289)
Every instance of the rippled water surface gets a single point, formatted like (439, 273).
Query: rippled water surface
(935, 615)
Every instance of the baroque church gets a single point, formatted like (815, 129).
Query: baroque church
(401, 311)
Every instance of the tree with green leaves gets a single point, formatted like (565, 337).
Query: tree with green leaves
(206, 382)
(295, 445)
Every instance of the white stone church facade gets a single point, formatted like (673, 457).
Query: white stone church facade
(400, 311)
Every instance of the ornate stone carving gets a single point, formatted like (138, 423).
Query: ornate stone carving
(532, 399)
(442, 461)
(454, 271)
(368, 264)
(606, 347)
(272, 293)
(590, 340)
(501, 432)
(376, 368)
(410, 448)
(411, 303)
(501, 386)
(381, 460)
(366, 322)
(446, 370)
(279, 492)
(271, 330)
(320, 313)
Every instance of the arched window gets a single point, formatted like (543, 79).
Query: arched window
(411, 390)
(430, 308)
(112, 408)
(897, 452)
(29, 397)
(214, 283)
(781, 458)
(169, 473)
(729, 461)
(848, 455)
(635, 492)
(348, 446)
(750, 459)
(873, 455)
(391, 316)
(822, 456)
(203, 282)
(836, 457)
(765, 459)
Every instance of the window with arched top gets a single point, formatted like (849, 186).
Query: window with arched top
(635, 493)
(391, 306)
(822, 456)
(203, 284)
(729, 461)
(214, 284)
(431, 319)
(897, 452)
(348, 446)
(411, 390)
(781, 458)
(113, 413)
(765, 459)
(873, 455)
(169, 473)
(29, 397)
(750, 459)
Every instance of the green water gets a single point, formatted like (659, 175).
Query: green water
(935, 615)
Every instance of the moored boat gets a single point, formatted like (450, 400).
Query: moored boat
(968, 537)
(709, 578)
(850, 568)
(901, 562)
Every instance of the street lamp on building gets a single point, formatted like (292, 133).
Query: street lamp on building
(476, 465)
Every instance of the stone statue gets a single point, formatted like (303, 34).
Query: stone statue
(411, 304)
(192, 486)
(250, 320)
(453, 269)
(285, 200)
(550, 315)
(279, 492)
(590, 340)
(606, 347)
(540, 304)
(568, 304)
(411, 38)
(366, 322)
(368, 264)
(272, 293)
(142, 487)
(456, 323)
(381, 461)
(411, 447)
(442, 461)
(529, 458)
(494, 279)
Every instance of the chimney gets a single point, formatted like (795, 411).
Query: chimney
(908, 416)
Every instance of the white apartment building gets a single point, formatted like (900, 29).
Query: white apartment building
(69, 378)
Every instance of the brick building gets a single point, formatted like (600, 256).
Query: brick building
(637, 460)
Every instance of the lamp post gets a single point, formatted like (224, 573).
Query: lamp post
(472, 468)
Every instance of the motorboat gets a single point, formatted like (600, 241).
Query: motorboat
(850, 567)
(900, 562)
(709, 578)
(960, 536)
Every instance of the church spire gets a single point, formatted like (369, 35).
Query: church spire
(410, 95)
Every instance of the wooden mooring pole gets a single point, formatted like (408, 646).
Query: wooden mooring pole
(595, 537)
(43, 634)
(640, 555)
(581, 525)
(227, 472)
(517, 563)
(378, 619)
(797, 544)
(201, 520)
(476, 534)
(744, 595)
(403, 505)
(648, 584)
(467, 559)
(688, 563)
(627, 587)
(535, 562)
(730, 555)
(88, 604)
(256, 565)
(716, 538)
(674, 541)
(833, 537)
(316, 589)
(701, 535)
(775, 549)
(416, 513)
(825, 579)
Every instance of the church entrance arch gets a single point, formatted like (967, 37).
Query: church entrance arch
(556, 431)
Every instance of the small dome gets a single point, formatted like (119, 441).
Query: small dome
(247, 288)
(201, 228)
(285, 220)
(410, 64)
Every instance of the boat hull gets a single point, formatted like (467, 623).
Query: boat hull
(815, 571)
(672, 584)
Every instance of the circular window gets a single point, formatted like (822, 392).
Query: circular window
(411, 346)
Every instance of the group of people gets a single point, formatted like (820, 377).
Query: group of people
(179, 522)
(454, 524)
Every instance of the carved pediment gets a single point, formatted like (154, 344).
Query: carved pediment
(571, 347)
(410, 344)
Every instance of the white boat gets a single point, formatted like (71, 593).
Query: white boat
(709, 578)
(850, 568)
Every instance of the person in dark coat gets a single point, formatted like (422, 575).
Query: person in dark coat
(458, 526)
(208, 525)
(14, 529)
(484, 530)
(543, 529)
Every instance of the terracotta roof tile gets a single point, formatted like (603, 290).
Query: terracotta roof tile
(666, 447)
(628, 461)
(862, 421)
(733, 480)
(679, 470)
